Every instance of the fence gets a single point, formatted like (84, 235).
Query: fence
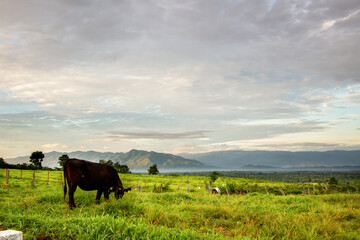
(35, 177)
(158, 183)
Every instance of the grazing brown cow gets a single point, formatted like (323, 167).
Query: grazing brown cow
(91, 176)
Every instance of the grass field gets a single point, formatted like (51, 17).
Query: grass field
(177, 213)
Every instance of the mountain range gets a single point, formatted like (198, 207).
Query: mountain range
(278, 159)
(234, 160)
(134, 159)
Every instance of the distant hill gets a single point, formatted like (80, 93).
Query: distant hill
(135, 159)
(278, 159)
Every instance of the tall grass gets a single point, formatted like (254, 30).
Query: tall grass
(175, 214)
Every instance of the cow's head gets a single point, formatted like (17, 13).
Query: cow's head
(121, 191)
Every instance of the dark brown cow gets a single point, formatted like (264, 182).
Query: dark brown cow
(91, 176)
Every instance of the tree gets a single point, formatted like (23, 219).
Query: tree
(213, 176)
(333, 181)
(62, 159)
(121, 168)
(118, 167)
(36, 159)
(108, 162)
(3, 164)
(153, 170)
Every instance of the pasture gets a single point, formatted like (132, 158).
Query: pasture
(182, 209)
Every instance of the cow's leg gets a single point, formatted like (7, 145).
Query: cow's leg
(72, 189)
(98, 195)
(106, 195)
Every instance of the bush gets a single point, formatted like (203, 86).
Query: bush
(213, 176)
(165, 188)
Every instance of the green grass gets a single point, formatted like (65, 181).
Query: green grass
(175, 214)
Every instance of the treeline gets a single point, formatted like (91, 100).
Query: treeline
(36, 159)
(118, 167)
(24, 166)
(301, 176)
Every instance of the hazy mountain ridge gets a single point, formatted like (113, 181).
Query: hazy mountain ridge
(239, 160)
(278, 159)
(134, 159)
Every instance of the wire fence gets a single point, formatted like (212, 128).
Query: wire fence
(36, 177)
(162, 183)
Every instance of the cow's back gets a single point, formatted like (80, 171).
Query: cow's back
(89, 175)
(102, 173)
(74, 170)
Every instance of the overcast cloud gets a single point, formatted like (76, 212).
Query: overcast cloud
(179, 76)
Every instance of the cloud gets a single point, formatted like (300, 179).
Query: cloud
(301, 145)
(168, 69)
(52, 146)
(353, 93)
(330, 23)
(189, 148)
(266, 130)
(118, 135)
(170, 35)
(281, 145)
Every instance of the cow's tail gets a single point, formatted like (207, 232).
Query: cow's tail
(65, 189)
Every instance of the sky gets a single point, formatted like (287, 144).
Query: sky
(179, 76)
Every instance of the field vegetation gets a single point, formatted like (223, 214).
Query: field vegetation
(181, 209)
(343, 177)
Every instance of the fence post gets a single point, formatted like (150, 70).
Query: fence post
(61, 179)
(187, 188)
(145, 184)
(7, 177)
(207, 187)
(282, 192)
(48, 176)
(266, 190)
(247, 190)
(304, 193)
(33, 181)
